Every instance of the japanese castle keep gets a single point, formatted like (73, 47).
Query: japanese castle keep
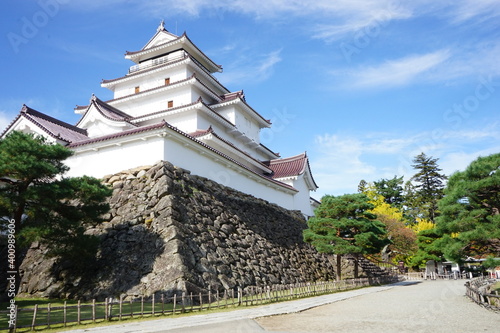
(169, 107)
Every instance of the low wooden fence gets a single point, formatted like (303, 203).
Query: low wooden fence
(477, 290)
(49, 316)
(413, 276)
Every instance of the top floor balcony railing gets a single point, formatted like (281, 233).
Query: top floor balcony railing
(158, 61)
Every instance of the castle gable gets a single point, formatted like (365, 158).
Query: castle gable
(102, 119)
(31, 121)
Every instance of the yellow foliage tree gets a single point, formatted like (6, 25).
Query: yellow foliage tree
(422, 224)
(404, 238)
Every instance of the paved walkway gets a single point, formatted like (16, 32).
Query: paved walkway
(160, 325)
(400, 307)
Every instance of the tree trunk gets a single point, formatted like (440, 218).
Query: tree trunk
(339, 267)
(356, 266)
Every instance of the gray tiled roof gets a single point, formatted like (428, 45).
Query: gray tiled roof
(54, 127)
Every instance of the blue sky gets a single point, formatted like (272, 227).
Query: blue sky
(362, 86)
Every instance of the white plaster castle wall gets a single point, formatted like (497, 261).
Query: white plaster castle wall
(101, 128)
(248, 126)
(150, 81)
(302, 199)
(227, 112)
(139, 105)
(114, 158)
(218, 169)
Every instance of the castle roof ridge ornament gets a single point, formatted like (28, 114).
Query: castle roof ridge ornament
(161, 27)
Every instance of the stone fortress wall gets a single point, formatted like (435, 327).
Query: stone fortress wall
(169, 231)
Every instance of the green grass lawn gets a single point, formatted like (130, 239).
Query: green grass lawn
(52, 310)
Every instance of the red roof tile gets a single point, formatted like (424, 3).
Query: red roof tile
(288, 167)
(291, 167)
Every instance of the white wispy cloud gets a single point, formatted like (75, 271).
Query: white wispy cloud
(357, 19)
(393, 73)
(249, 68)
(339, 17)
(478, 11)
(345, 159)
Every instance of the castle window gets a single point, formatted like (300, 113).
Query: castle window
(170, 104)
(167, 81)
(137, 89)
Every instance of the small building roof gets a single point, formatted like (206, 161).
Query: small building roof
(55, 128)
(292, 167)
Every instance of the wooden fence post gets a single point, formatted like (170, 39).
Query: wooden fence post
(106, 309)
(175, 304)
(183, 301)
(33, 322)
(120, 307)
(93, 310)
(78, 315)
(201, 302)
(153, 305)
(64, 314)
(48, 315)
(110, 304)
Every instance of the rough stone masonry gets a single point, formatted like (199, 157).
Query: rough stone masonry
(169, 231)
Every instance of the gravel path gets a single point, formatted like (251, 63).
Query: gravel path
(428, 306)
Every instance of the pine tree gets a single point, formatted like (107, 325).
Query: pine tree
(429, 185)
(41, 203)
(343, 225)
(470, 219)
(391, 190)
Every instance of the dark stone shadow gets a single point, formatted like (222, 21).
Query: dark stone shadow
(125, 254)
